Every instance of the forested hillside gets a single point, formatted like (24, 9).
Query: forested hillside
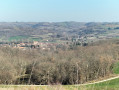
(72, 66)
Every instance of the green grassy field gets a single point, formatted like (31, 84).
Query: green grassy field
(17, 38)
(20, 38)
(108, 85)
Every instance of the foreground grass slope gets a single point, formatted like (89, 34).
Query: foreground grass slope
(113, 84)
(108, 85)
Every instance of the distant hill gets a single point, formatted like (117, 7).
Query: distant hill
(64, 29)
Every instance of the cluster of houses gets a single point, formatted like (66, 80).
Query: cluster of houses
(32, 45)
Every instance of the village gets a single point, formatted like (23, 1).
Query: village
(35, 45)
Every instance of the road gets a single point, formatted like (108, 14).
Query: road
(100, 81)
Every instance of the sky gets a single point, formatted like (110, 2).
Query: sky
(59, 10)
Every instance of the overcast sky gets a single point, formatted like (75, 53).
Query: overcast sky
(59, 10)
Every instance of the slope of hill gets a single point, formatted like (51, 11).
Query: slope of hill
(57, 30)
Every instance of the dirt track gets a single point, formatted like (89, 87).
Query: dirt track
(101, 80)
